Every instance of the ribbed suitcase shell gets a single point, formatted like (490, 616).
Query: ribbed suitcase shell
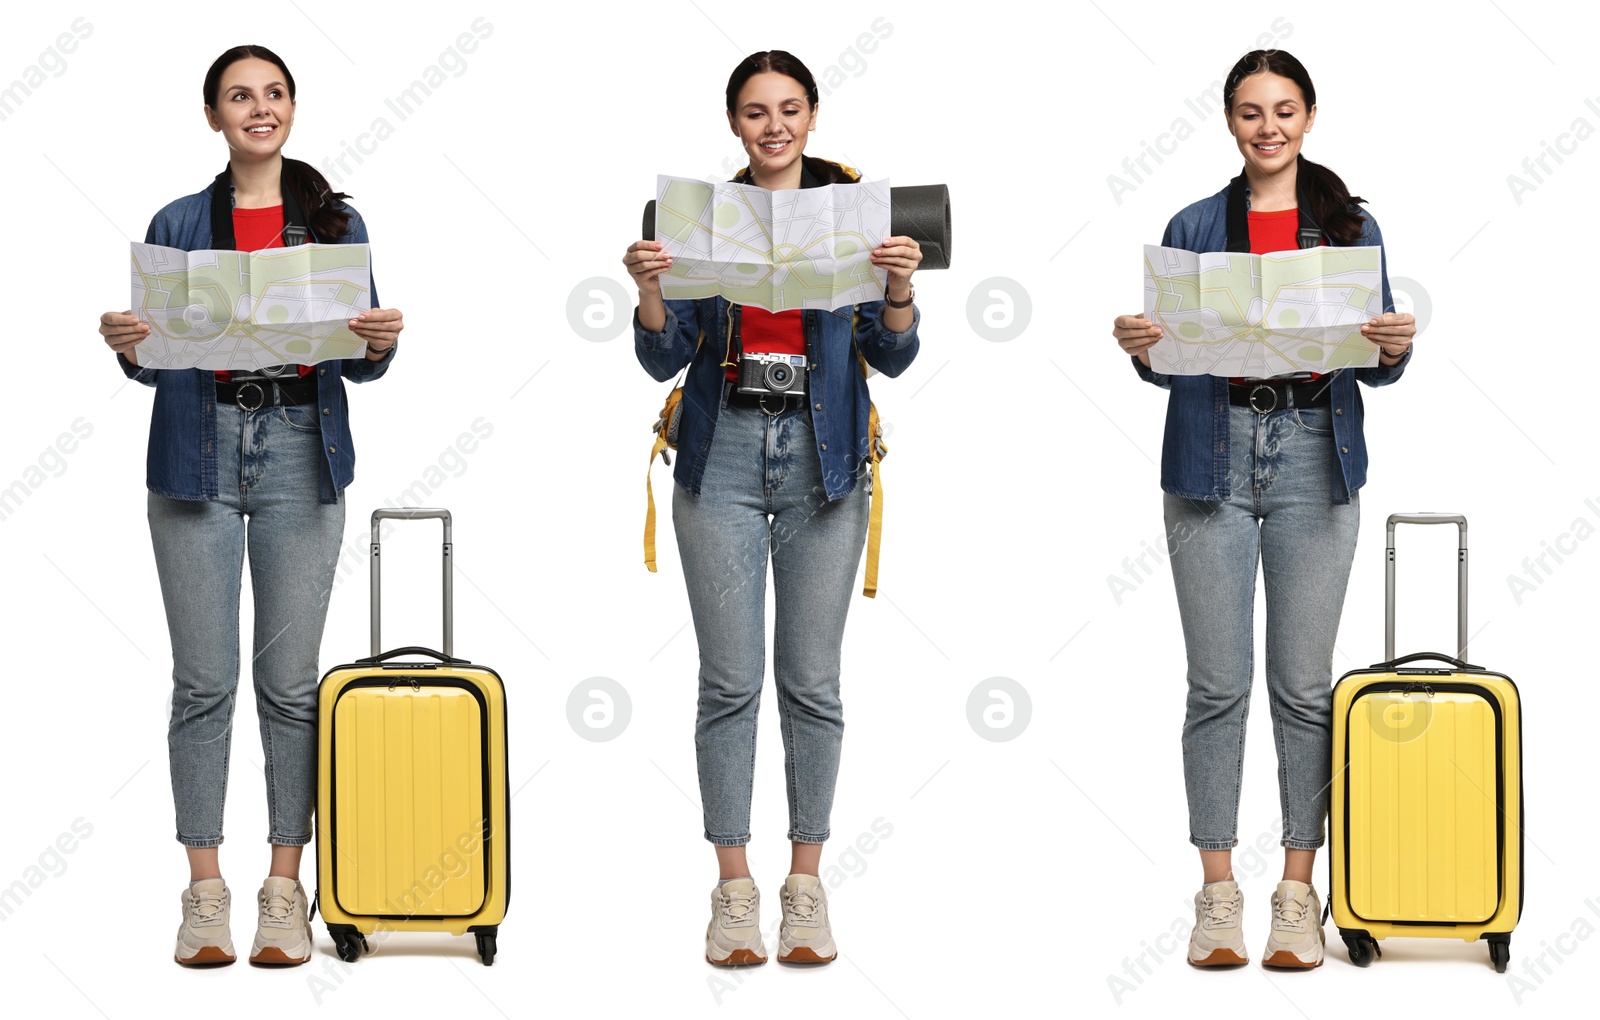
(412, 798)
(1426, 803)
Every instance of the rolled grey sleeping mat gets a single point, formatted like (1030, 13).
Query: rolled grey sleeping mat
(920, 212)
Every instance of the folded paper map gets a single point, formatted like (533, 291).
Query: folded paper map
(234, 310)
(777, 250)
(1257, 316)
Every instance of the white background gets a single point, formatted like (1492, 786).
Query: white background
(1020, 875)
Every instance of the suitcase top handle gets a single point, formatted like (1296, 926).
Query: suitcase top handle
(1418, 656)
(411, 513)
(1460, 521)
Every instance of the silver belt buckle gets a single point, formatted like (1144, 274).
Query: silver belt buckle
(1259, 388)
(238, 396)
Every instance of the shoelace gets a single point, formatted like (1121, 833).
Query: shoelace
(1290, 914)
(737, 909)
(802, 908)
(1220, 911)
(277, 911)
(207, 909)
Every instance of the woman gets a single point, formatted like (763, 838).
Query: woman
(1271, 469)
(779, 477)
(274, 448)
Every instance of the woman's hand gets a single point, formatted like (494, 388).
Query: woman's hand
(900, 256)
(646, 261)
(1136, 335)
(1392, 332)
(380, 328)
(123, 331)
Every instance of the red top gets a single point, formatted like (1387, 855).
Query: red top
(1278, 230)
(764, 332)
(253, 230)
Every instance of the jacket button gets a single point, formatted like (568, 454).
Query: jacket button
(1344, 449)
(326, 411)
(1338, 411)
(322, 371)
(824, 447)
(333, 449)
(819, 407)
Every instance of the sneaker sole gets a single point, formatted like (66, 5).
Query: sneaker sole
(1286, 960)
(207, 956)
(272, 956)
(805, 954)
(738, 958)
(1218, 958)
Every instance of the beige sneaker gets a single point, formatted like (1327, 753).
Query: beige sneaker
(283, 935)
(1297, 938)
(805, 935)
(203, 937)
(1216, 940)
(734, 935)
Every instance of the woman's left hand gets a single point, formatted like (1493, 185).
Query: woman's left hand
(380, 328)
(1392, 332)
(900, 256)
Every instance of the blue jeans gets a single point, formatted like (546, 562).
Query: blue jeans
(1283, 469)
(761, 497)
(268, 469)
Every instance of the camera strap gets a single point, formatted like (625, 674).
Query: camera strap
(1309, 234)
(295, 231)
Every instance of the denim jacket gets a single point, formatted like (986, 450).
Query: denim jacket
(182, 458)
(1194, 453)
(696, 334)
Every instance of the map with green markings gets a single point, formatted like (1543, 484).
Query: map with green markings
(777, 250)
(235, 311)
(1257, 316)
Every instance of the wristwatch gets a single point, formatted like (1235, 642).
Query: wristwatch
(900, 304)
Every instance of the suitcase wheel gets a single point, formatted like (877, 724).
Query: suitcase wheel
(350, 945)
(486, 947)
(1500, 953)
(1362, 948)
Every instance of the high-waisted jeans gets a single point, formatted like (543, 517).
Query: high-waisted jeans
(762, 497)
(1282, 466)
(267, 468)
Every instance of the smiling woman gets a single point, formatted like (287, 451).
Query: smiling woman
(1264, 471)
(272, 447)
(774, 468)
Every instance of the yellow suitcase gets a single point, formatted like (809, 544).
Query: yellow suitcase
(1426, 802)
(413, 813)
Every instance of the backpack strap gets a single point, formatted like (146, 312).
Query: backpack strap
(663, 430)
(876, 450)
(875, 516)
(666, 439)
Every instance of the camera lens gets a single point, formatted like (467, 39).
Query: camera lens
(778, 376)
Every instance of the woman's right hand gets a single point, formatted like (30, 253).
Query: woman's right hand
(646, 261)
(123, 331)
(1136, 335)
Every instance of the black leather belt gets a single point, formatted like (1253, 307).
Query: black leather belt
(1263, 397)
(251, 394)
(772, 403)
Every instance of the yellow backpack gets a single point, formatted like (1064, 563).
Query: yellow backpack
(667, 439)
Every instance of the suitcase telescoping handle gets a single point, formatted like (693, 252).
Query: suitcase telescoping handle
(1460, 522)
(411, 513)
